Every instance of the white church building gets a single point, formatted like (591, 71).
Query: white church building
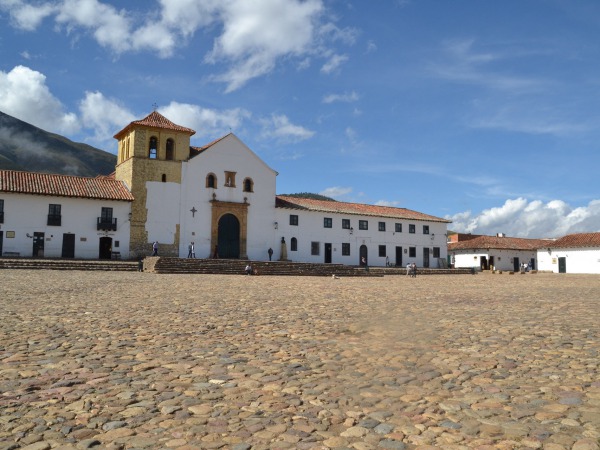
(221, 196)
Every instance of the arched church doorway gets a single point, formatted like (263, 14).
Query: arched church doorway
(229, 236)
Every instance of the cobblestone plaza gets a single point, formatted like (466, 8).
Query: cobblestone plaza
(139, 360)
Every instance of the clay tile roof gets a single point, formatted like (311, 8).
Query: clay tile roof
(156, 120)
(104, 188)
(577, 241)
(308, 204)
(498, 243)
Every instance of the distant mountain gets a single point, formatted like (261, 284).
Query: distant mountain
(311, 195)
(28, 148)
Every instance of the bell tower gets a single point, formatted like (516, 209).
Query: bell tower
(150, 150)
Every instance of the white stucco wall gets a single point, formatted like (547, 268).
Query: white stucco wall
(163, 209)
(27, 214)
(576, 260)
(310, 229)
(502, 259)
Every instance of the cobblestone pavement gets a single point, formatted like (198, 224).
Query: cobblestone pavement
(138, 360)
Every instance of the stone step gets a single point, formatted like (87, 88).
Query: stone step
(165, 265)
(66, 264)
(235, 266)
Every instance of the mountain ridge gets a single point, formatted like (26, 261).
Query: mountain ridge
(31, 149)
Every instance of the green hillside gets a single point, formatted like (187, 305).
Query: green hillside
(26, 147)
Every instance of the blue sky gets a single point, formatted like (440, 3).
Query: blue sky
(481, 111)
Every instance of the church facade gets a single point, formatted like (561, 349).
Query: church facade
(222, 197)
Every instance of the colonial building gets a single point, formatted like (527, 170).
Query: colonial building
(43, 215)
(221, 196)
(498, 252)
(574, 253)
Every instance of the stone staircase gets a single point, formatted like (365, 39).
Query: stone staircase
(67, 264)
(158, 264)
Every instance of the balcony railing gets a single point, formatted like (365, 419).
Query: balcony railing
(107, 224)
(54, 220)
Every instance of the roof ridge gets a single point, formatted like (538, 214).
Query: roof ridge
(157, 120)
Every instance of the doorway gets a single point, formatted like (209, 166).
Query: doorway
(483, 263)
(327, 253)
(229, 236)
(105, 249)
(398, 256)
(38, 245)
(68, 245)
(363, 253)
(1, 237)
(516, 265)
(562, 264)
(426, 257)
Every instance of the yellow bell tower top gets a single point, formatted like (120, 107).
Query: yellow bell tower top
(154, 137)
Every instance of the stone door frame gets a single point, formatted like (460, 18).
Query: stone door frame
(240, 211)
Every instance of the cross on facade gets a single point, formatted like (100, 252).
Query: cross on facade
(194, 211)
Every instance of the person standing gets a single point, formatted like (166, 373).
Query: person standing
(414, 270)
(408, 269)
(190, 246)
(270, 252)
(155, 248)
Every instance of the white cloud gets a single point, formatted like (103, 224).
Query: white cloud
(28, 17)
(256, 34)
(104, 116)
(111, 28)
(335, 61)
(24, 95)
(387, 203)
(530, 219)
(336, 191)
(206, 122)
(278, 127)
(466, 65)
(333, 32)
(346, 97)
(189, 15)
(155, 36)
(526, 117)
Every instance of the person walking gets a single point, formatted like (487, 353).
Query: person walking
(414, 270)
(270, 252)
(191, 250)
(155, 248)
(408, 269)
